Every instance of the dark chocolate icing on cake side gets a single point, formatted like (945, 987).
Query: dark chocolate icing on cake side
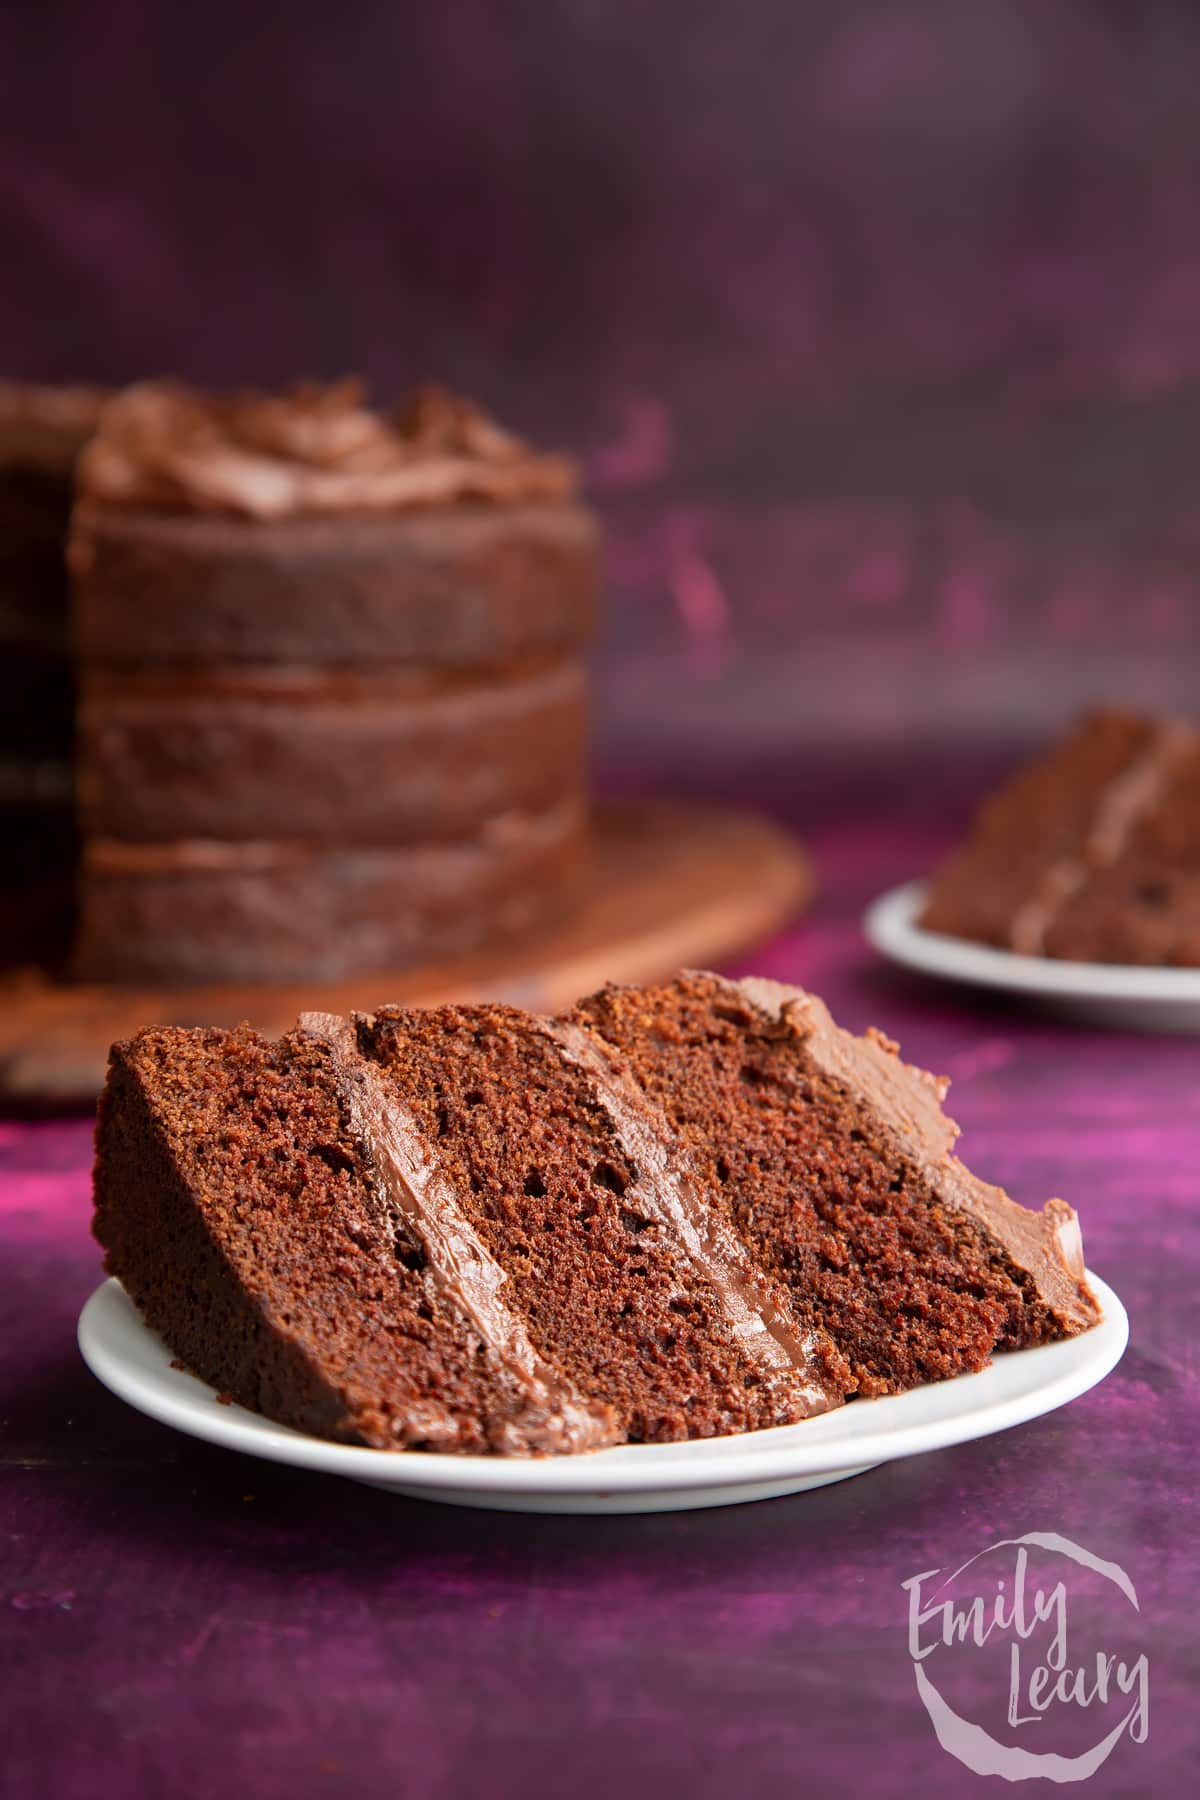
(906, 1102)
(799, 1366)
(548, 1413)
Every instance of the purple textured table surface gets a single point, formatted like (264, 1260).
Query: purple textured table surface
(179, 1621)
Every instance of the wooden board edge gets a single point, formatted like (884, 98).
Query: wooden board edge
(746, 877)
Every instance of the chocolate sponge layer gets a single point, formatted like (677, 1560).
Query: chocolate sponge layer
(450, 586)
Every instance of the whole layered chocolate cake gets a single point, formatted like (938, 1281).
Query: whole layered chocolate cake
(42, 430)
(675, 1212)
(332, 710)
(1090, 854)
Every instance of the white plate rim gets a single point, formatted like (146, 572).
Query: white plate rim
(133, 1363)
(891, 928)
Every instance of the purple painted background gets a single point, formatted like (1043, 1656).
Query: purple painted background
(878, 328)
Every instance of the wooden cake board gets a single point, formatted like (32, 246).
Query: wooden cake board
(673, 886)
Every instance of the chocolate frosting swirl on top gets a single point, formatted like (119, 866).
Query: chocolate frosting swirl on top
(316, 449)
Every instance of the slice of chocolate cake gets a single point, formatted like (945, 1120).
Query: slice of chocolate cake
(465, 1229)
(835, 1160)
(42, 430)
(1091, 854)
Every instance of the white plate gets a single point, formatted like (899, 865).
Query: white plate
(1122, 995)
(136, 1365)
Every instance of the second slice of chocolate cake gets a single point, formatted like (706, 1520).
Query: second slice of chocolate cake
(1091, 854)
(836, 1162)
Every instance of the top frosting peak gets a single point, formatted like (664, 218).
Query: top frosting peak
(319, 448)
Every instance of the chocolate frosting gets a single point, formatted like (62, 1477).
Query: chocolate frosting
(46, 427)
(316, 449)
(1120, 809)
(791, 1362)
(906, 1102)
(547, 1412)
